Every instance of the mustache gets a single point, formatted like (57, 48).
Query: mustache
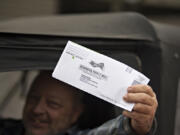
(39, 118)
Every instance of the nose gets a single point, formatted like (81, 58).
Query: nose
(39, 107)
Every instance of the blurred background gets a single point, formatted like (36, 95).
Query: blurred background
(167, 11)
(164, 11)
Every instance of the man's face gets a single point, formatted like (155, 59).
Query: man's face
(50, 108)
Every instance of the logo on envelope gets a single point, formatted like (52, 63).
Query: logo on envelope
(99, 65)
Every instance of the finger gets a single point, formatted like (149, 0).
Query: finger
(135, 115)
(141, 89)
(139, 98)
(142, 108)
(155, 102)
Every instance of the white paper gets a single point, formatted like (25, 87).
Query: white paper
(97, 74)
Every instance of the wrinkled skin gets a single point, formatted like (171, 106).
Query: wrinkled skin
(51, 107)
(144, 109)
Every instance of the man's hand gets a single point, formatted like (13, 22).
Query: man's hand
(144, 109)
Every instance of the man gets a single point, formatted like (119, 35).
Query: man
(53, 107)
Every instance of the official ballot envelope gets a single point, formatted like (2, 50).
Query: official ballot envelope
(97, 74)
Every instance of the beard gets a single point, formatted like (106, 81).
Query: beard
(32, 131)
(49, 130)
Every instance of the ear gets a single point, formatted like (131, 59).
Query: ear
(78, 110)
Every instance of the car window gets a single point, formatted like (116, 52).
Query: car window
(14, 86)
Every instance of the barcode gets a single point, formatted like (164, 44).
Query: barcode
(129, 69)
(135, 82)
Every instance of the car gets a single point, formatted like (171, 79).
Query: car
(36, 43)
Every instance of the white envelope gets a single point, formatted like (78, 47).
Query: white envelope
(97, 74)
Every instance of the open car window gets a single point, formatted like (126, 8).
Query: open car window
(14, 88)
